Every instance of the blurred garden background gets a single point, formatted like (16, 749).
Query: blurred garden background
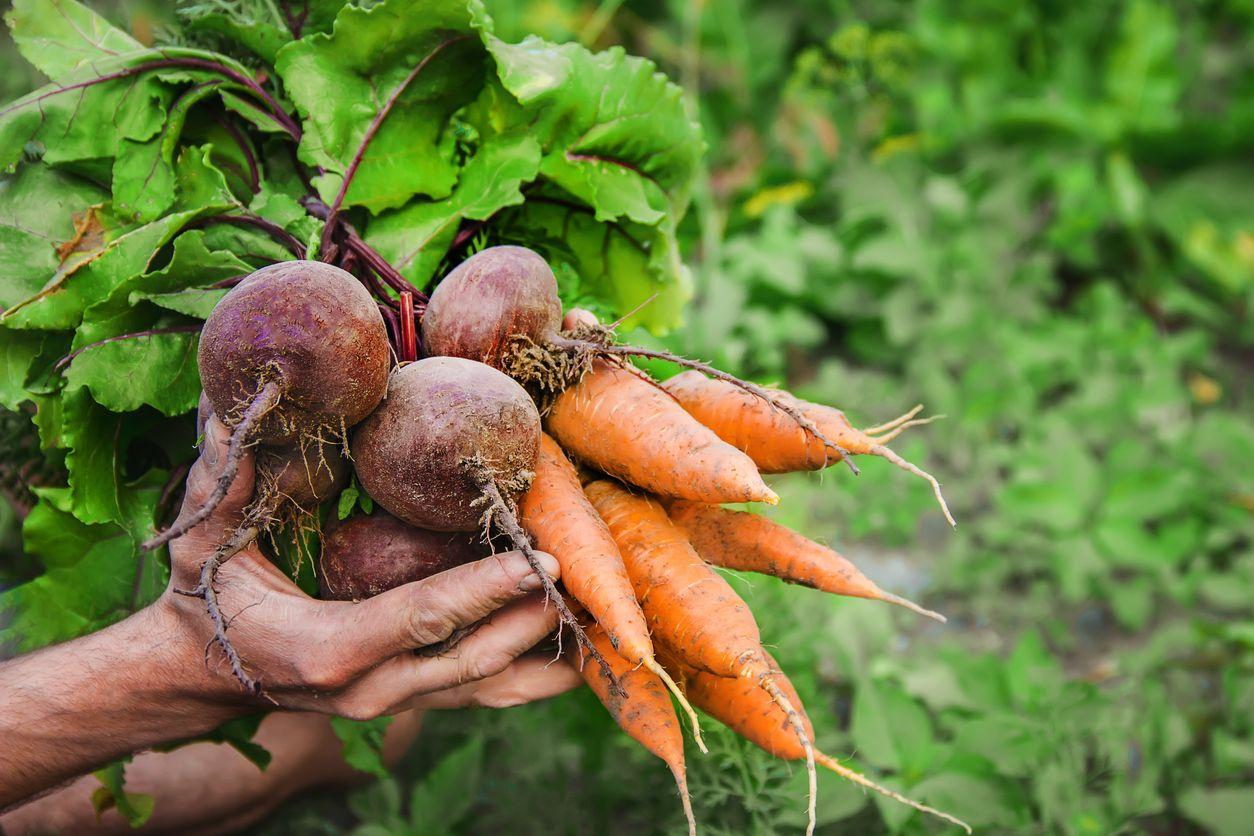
(1036, 218)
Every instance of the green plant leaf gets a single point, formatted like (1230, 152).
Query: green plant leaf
(59, 36)
(615, 131)
(143, 173)
(363, 743)
(415, 238)
(136, 808)
(421, 55)
(89, 577)
(38, 209)
(890, 729)
(158, 370)
(447, 794)
(1224, 811)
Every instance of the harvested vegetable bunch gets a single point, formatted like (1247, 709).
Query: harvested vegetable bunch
(231, 212)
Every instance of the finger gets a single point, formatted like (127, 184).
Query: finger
(204, 477)
(490, 649)
(427, 612)
(529, 678)
(578, 316)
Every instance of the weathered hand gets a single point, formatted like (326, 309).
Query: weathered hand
(357, 659)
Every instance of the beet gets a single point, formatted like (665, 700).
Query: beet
(491, 302)
(310, 327)
(367, 554)
(304, 476)
(295, 353)
(443, 418)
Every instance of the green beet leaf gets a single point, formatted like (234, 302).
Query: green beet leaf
(59, 36)
(419, 58)
(415, 238)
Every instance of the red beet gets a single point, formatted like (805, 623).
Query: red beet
(491, 304)
(367, 554)
(447, 424)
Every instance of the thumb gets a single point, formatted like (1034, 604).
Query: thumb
(578, 316)
(208, 473)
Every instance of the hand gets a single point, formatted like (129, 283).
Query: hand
(355, 659)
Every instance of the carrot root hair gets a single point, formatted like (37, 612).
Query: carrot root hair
(652, 665)
(901, 428)
(884, 452)
(890, 598)
(900, 419)
(681, 782)
(861, 780)
(794, 718)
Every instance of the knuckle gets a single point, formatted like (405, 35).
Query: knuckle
(359, 709)
(428, 625)
(476, 666)
(317, 673)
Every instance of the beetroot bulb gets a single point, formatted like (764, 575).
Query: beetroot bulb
(296, 352)
(368, 554)
(452, 448)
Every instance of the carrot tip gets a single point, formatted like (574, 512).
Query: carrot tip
(770, 497)
(913, 607)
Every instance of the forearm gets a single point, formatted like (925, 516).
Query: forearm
(74, 707)
(211, 788)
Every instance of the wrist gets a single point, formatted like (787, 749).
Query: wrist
(185, 670)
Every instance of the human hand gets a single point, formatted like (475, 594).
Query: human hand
(355, 659)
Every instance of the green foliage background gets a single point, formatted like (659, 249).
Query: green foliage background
(1036, 218)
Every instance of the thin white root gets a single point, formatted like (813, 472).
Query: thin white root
(888, 425)
(883, 452)
(901, 428)
(652, 665)
(863, 781)
(913, 607)
(794, 718)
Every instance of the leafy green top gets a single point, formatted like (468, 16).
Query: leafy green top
(144, 181)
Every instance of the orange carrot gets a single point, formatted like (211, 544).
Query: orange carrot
(774, 440)
(631, 429)
(645, 713)
(561, 521)
(691, 610)
(751, 543)
(754, 716)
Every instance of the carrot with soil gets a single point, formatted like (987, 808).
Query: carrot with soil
(628, 428)
(750, 713)
(691, 610)
(558, 516)
(777, 445)
(645, 712)
(752, 543)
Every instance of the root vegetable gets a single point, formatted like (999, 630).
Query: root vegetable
(451, 449)
(775, 442)
(628, 428)
(691, 610)
(367, 554)
(295, 351)
(645, 712)
(558, 516)
(753, 715)
(751, 543)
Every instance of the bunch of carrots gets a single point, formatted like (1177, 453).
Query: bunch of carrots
(637, 527)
